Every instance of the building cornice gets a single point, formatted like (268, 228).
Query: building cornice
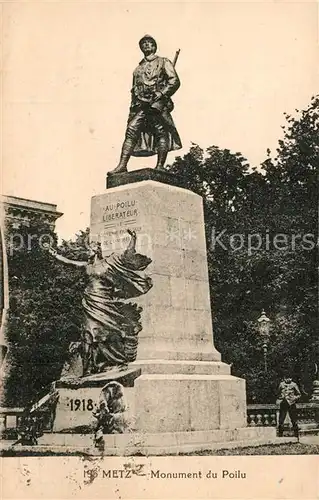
(23, 210)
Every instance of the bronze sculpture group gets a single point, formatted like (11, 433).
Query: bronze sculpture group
(112, 324)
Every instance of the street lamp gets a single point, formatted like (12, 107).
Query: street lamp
(264, 327)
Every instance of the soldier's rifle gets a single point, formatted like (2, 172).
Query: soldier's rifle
(176, 57)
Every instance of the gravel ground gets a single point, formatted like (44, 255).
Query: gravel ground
(277, 449)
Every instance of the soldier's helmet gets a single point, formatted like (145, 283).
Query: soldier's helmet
(147, 37)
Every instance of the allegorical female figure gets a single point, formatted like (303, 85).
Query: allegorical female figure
(111, 325)
(150, 127)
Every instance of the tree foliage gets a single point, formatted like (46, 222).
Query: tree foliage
(45, 309)
(266, 256)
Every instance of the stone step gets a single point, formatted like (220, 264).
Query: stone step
(309, 425)
(165, 439)
(182, 367)
(312, 431)
(149, 450)
(128, 376)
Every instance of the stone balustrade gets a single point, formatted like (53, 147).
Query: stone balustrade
(258, 415)
(262, 415)
(9, 421)
(268, 415)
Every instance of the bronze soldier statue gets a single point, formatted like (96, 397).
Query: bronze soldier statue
(150, 127)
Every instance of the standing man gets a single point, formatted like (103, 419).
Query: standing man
(289, 394)
(150, 127)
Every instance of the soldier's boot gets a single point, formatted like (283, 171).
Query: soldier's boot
(127, 150)
(162, 151)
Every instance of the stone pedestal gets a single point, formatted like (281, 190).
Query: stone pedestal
(184, 387)
(77, 401)
(181, 397)
(189, 403)
(169, 223)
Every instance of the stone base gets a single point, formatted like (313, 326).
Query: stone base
(169, 396)
(75, 407)
(143, 174)
(78, 398)
(171, 443)
(180, 402)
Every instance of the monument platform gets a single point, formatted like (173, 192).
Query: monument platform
(79, 397)
(170, 443)
(180, 395)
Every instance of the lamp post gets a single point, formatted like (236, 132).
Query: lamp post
(264, 328)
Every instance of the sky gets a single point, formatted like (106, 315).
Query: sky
(67, 73)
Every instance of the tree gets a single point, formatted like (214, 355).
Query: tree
(45, 310)
(264, 258)
(292, 179)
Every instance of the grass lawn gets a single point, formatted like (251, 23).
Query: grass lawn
(272, 449)
(275, 449)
